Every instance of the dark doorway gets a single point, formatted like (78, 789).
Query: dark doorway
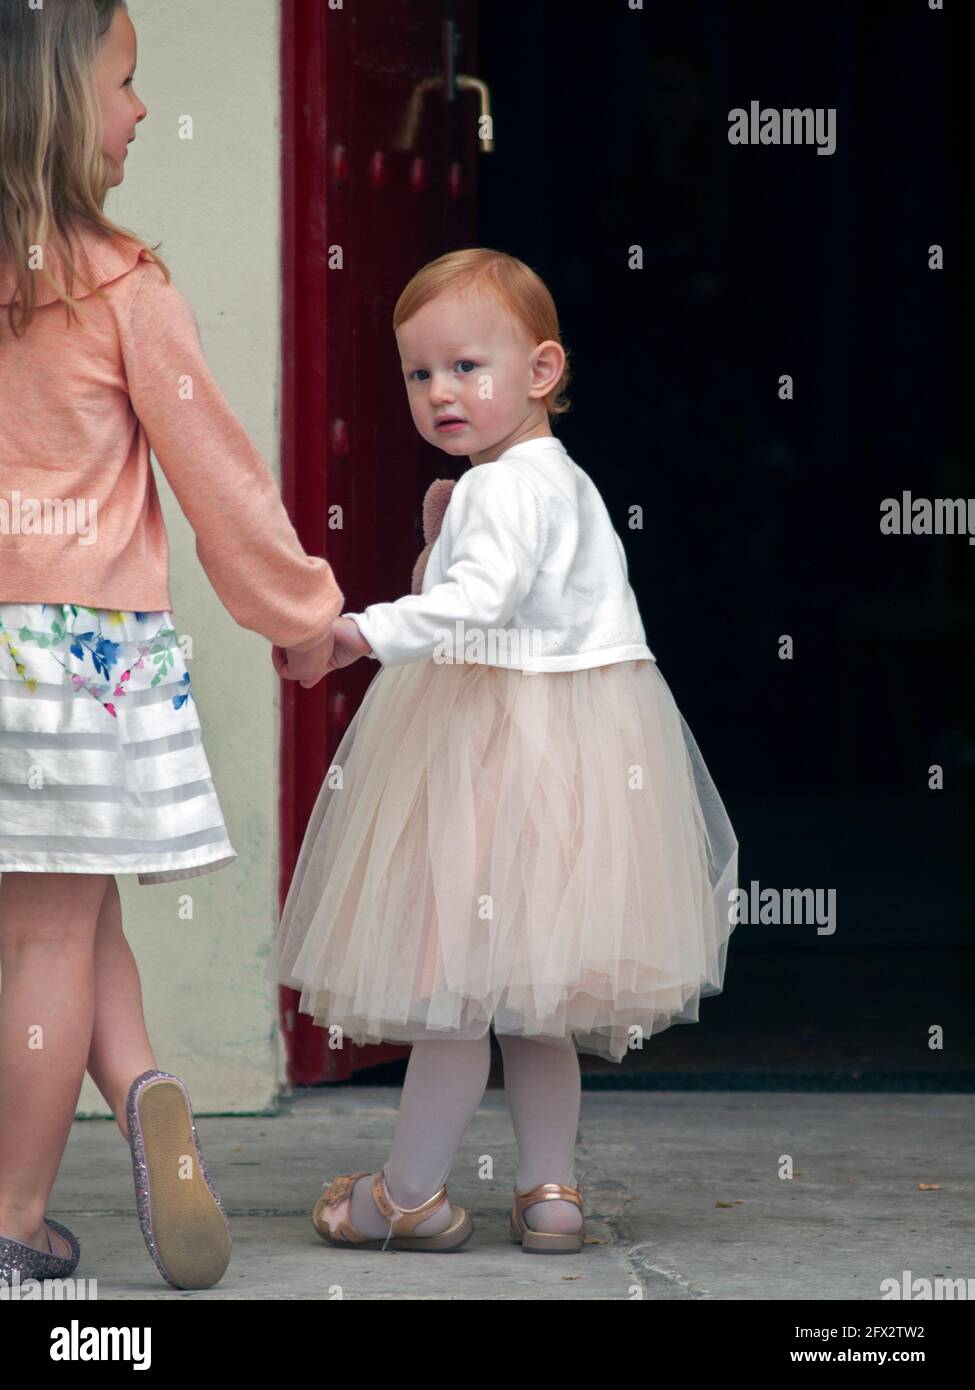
(761, 515)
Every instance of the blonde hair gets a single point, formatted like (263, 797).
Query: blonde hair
(53, 175)
(518, 288)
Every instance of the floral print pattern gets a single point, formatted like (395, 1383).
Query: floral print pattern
(69, 631)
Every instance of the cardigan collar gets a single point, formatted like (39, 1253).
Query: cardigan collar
(99, 259)
(540, 445)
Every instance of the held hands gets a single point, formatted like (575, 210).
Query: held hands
(344, 644)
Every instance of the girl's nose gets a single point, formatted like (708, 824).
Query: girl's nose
(440, 390)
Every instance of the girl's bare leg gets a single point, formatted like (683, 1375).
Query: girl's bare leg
(120, 1048)
(47, 977)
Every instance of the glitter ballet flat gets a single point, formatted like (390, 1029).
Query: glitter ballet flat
(35, 1264)
(182, 1217)
(336, 1203)
(546, 1242)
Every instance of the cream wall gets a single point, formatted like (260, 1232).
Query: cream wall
(213, 202)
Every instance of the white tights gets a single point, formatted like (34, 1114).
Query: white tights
(444, 1083)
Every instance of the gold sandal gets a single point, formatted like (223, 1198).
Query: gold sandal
(546, 1242)
(340, 1231)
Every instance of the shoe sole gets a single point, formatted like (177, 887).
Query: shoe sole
(546, 1242)
(189, 1229)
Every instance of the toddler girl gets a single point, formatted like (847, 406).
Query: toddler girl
(102, 765)
(518, 830)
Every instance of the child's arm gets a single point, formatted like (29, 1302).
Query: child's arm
(496, 532)
(244, 536)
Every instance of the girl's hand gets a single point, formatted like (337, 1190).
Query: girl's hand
(349, 644)
(344, 645)
(307, 667)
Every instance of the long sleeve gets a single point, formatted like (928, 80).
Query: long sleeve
(244, 537)
(494, 534)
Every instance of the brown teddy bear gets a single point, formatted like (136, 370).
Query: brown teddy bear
(434, 505)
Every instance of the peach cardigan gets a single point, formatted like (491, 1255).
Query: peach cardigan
(80, 408)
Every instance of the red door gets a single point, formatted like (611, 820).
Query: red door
(380, 134)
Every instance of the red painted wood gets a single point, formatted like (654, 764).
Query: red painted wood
(347, 439)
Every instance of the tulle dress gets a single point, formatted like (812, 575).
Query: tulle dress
(544, 854)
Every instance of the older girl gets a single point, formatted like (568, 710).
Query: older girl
(102, 766)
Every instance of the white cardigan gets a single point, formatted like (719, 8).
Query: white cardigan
(527, 572)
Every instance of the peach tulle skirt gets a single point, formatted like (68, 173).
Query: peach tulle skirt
(545, 854)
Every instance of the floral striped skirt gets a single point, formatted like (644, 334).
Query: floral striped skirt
(102, 764)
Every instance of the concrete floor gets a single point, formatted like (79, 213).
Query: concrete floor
(682, 1189)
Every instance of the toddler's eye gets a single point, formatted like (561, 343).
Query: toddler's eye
(461, 362)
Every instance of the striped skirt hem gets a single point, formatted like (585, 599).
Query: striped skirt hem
(86, 863)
